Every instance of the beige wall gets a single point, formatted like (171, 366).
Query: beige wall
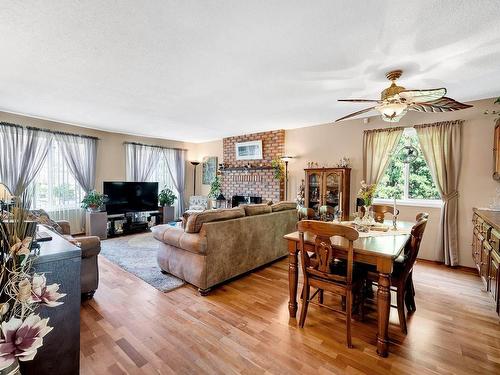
(200, 150)
(110, 150)
(326, 144)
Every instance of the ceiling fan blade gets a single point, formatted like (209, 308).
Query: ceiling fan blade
(356, 113)
(359, 100)
(422, 96)
(444, 104)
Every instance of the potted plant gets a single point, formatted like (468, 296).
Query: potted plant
(166, 199)
(278, 166)
(93, 201)
(215, 191)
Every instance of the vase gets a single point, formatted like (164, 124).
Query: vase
(93, 208)
(13, 369)
(368, 214)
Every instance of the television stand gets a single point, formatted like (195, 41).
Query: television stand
(131, 222)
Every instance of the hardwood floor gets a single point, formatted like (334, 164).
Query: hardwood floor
(243, 328)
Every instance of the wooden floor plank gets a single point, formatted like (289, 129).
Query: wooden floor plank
(243, 328)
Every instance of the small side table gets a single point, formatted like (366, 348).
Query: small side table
(96, 224)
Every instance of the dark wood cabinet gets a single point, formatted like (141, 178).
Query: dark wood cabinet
(60, 261)
(486, 251)
(328, 187)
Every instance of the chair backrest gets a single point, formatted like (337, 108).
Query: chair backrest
(306, 213)
(379, 211)
(421, 215)
(413, 245)
(323, 249)
(198, 202)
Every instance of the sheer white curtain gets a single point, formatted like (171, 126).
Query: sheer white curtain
(141, 161)
(176, 163)
(80, 153)
(22, 154)
(56, 190)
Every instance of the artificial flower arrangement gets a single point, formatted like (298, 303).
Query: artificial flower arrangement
(21, 293)
(366, 193)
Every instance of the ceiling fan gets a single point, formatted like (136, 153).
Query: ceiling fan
(395, 101)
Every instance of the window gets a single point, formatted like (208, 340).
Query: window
(162, 175)
(56, 191)
(408, 182)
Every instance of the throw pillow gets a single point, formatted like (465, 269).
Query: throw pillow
(284, 205)
(42, 217)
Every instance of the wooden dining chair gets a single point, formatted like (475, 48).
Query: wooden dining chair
(320, 270)
(379, 211)
(402, 272)
(421, 215)
(306, 213)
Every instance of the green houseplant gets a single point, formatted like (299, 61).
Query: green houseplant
(215, 191)
(215, 188)
(278, 166)
(166, 199)
(93, 201)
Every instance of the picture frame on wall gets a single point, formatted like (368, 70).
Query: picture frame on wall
(250, 150)
(209, 169)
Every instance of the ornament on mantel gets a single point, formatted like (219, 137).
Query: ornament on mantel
(343, 162)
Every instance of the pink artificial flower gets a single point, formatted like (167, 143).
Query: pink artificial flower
(43, 293)
(22, 339)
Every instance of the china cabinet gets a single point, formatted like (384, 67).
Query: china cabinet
(328, 187)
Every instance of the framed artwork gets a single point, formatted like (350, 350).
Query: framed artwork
(251, 150)
(496, 152)
(209, 168)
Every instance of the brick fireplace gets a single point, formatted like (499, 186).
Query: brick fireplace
(253, 177)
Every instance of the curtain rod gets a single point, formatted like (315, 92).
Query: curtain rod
(440, 123)
(385, 129)
(46, 130)
(61, 132)
(155, 146)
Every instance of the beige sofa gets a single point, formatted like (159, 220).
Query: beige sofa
(218, 245)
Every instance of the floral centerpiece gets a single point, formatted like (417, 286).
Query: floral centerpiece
(21, 293)
(366, 193)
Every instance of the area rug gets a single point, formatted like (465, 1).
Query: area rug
(137, 255)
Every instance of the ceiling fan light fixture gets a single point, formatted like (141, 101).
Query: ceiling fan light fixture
(392, 112)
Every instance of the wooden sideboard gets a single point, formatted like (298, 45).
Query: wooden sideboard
(328, 187)
(486, 250)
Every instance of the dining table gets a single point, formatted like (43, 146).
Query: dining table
(375, 247)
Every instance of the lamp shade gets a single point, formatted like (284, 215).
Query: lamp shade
(286, 158)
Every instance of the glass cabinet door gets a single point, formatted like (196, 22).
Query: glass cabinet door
(332, 190)
(314, 185)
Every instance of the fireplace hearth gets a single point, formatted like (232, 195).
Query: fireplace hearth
(236, 200)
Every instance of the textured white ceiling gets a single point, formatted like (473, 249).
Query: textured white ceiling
(201, 70)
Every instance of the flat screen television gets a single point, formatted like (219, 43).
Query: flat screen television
(126, 197)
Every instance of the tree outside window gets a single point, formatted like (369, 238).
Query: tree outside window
(407, 181)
